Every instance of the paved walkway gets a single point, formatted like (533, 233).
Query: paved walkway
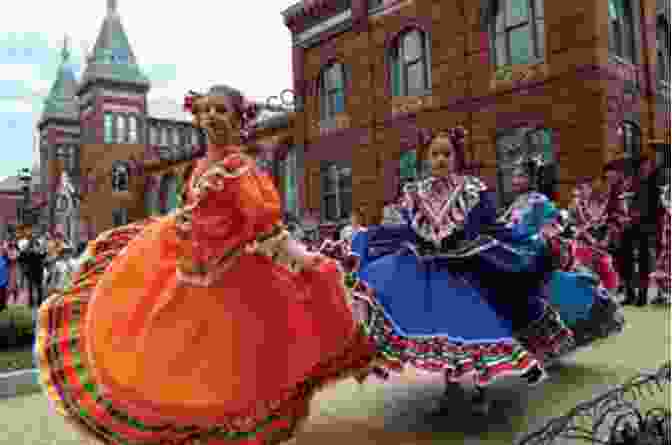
(403, 411)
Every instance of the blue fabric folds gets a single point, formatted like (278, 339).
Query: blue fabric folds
(571, 293)
(483, 295)
(4, 271)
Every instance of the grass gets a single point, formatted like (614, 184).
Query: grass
(14, 359)
(16, 335)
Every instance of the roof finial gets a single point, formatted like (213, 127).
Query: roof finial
(65, 52)
(111, 7)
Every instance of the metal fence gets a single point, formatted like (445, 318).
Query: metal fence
(613, 418)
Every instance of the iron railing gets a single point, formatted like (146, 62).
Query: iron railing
(613, 418)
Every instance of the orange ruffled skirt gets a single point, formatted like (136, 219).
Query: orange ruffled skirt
(135, 357)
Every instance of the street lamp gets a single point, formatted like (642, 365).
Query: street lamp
(25, 177)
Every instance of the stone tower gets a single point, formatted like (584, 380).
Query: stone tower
(112, 82)
(59, 129)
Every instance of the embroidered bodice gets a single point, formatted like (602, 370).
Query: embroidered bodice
(592, 210)
(438, 207)
(232, 209)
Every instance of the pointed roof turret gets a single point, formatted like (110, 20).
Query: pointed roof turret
(112, 57)
(61, 103)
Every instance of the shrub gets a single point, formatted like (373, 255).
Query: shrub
(16, 326)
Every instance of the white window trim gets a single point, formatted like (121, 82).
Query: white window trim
(532, 23)
(426, 55)
(109, 122)
(328, 117)
(338, 194)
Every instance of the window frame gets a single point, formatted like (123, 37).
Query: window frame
(120, 217)
(290, 176)
(175, 136)
(396, 57)
(341, 213)
(121, 127)
(133, 125)
(326, 113)
(120, 169)
(417, 174)
(537, 37)
(109, 127)
(622, 40)
(154, 134)
(663, 63)
(166, 181)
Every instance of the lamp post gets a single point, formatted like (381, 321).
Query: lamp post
(25, 177)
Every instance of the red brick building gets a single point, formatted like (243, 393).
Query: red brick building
(582, 82)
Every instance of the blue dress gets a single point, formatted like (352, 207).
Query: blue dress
(450, 290)
(583, 303)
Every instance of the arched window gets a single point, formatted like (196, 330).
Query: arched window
(622, 29)
(194, 137)
(332, 91)
(121, 129)
(120, 177)
(132, 129)
(517, 32)
(168, 192)
(516, 143)
(108, 123)
(164, 136)
(663, 49)
(176, 136)
(409, 64)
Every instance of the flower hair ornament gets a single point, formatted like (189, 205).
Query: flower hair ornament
(248, 111)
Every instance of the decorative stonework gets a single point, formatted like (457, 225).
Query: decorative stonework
(402, 105)
(513, 75)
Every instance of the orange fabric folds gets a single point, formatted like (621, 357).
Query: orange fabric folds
(200, 354)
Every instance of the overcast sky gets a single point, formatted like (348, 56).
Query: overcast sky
(179, 45)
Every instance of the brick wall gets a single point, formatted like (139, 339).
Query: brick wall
(563, 94)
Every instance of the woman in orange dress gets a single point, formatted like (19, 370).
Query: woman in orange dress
(207, 326)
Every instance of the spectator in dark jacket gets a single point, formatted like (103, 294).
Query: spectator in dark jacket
(644, 209)
(32, 258)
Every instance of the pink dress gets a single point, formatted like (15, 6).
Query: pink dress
(661, 276)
